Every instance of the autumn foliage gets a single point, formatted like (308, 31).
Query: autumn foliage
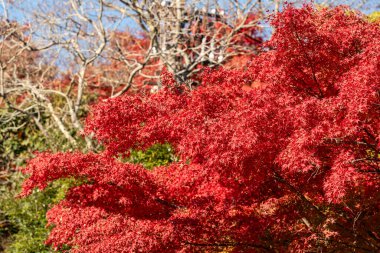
(292, 165)
(109, 77)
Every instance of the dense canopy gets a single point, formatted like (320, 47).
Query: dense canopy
(291, 165)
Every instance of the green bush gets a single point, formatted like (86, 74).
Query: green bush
(157, 155)
(26, 216)
(22, 221)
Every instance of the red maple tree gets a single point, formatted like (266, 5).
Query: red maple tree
(292, 165)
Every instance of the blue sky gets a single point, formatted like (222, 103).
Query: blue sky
(33, 5)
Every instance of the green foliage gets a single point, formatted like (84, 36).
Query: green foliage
(20, 137)
(16, 143)
(27, 216)
(156, 155)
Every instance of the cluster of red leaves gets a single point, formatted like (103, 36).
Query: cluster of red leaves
(290, 166)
